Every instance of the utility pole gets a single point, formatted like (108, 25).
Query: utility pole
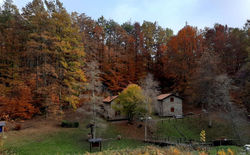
(94, 112)
(146, 121)
(146, 124)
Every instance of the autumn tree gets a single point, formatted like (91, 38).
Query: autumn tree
(131, 102)
(139, 51)
(149, 32)
(43, 44)
(16, 98)
(38, 57)
(210, 87)
(119, 55)
(44, 49)
(244, 74)
(150, 91)
(17, 103)
(229, 44)
(70, 54)
(54, 54)
(154, 37)
(183, 51)
(11, 44)
(93, 38)
(94, 89)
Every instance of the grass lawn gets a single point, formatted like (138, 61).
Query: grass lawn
(191, 128)
(73, 140)
(68, 141)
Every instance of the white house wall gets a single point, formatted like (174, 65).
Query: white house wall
(165, 110)
(111, 112)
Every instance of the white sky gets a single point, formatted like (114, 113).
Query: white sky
(168, 13)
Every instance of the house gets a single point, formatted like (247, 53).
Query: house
(169, 105)
(109, 112)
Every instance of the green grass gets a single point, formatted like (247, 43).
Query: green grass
(191, 128)
(62, 142)
(73, 141)
(69, 141)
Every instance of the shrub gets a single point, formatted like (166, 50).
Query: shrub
(76, 124)
(223, 152)
(68, 124)
(18, 127)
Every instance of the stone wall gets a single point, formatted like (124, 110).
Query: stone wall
(166, 105)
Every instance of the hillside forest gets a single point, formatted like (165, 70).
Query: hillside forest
(45, 52)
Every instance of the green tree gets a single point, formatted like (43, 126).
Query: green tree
(131, 102)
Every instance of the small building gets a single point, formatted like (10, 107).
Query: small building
(169, 105)
(2, 124)
(109, 112)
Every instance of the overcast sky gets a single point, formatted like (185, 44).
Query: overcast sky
(168, 13)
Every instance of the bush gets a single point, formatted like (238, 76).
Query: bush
(68, 124)
(76, 124)
(17, 127)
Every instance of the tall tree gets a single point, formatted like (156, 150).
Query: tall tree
(229, 44)
(210, 87)
(70, 54)
(94, 88)
(150, 89)
(244, 74)
(150, 92)
(183, 51)
(16, 97)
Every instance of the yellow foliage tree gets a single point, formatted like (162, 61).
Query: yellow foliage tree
(131, 102)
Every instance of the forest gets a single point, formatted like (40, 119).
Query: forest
(45, 53)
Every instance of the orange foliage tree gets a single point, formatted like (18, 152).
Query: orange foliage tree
(183, 51)
(18, 102)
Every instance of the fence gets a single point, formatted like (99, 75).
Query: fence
(186, 130)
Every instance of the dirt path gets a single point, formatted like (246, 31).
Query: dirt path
(135, 131)
(31, 130)
(35, 128)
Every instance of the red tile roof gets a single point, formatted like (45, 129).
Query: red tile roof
(109, 99)
(163, 96)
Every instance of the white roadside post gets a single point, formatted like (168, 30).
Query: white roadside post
(146, 119)
(146, 124)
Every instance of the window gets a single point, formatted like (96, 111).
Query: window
(102, 107)
(117, 113)
(171, 99)
(172, 109)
